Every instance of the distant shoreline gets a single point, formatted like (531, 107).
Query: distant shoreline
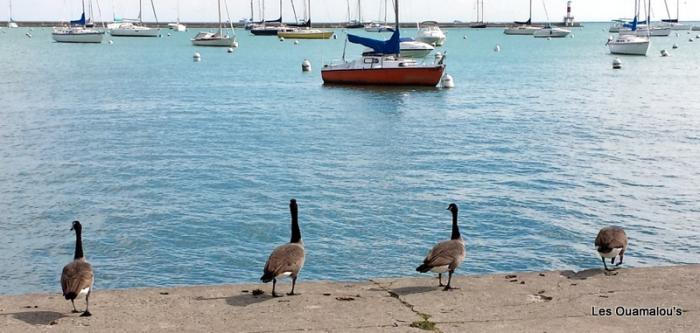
(650, 299)
(326, 25)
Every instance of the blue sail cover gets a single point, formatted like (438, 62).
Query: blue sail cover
(79, 22)
(391, 46)
(632, 25)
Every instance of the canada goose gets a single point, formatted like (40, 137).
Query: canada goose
(447, 255)
(77, 277)
(611, 242)
(288, 259)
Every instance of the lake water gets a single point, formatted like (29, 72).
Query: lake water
(181, 172)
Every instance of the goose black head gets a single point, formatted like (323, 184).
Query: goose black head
(76, 226)
(453, 208)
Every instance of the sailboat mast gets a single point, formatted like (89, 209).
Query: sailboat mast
(396, 12)
(251, 11)
(140, 12)
(280, 11)
(678, 10)
(220, 27)
(178, 12)
(530, 19)
(359, 11)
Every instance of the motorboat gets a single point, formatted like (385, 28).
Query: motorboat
(383, 65)
(411, 48)
(429, 32)
(79, 31)
(218, 38)
(135, 28)
(549, 31)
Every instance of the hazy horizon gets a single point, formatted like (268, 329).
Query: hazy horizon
(337, 10)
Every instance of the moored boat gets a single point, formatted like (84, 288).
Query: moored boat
(630, 44)
(79, 31)
(218, 38)
(522, 28)
(136, 28)
(306, 31)
(551, 32)
(429, 32)
(383, 65)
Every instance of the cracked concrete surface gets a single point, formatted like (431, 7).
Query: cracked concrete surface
(527, 302)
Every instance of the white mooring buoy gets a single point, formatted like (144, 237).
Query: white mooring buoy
(335, 36)
(617, 63)
(306, 66)
(296, 42)
(497, 48)
(677, 34)
(690, 40)
(28, 35)
(447, 81)
(664, 53)
(675, 46)
(697, 37)
(234, 44)
(572, 35)
(230, 50)
(281, 39)
(110, 42)
(464, 37)
(197, 57)
(169, 34)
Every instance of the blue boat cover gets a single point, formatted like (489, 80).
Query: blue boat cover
(391, 46)
(632, 25)
(79, 22)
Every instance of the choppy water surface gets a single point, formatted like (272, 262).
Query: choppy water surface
(181, 172)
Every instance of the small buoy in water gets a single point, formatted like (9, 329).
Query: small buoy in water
(110, 42)
(335, 36)
(497, 48)
(296, 42)
(197, 57)
(675, 46)
(572, 35)
(438, 56)
(234, 44)
(664, 53)
(677, 34)
(448, 82)
(306, 66)
(230, 50)
(549, 38)
(690, 40)
(617, 63)
(281, 39)
(28, 35)
(464, 37)
(697, 37)
(169, 34)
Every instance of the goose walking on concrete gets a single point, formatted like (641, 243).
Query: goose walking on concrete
(288, 259)
(611, 242)
(447, 255)
(77, 277)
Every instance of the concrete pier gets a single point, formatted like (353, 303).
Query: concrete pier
(664, 299)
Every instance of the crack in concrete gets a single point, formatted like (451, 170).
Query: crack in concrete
(424, 316)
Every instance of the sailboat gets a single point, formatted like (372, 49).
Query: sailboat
(135, 28)
(306, 32)
(356, 23)
(631, 44)
(218, 38)
(479, 23)
(379, 27)
(522, 28)
(646, 30)
(270, 28)
(548, 31)
(79, 31)
(11, 23)
(674, 24)
(383, 65)
(177, 26)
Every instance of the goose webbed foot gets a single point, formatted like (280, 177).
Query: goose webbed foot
(86, 314)
(610, 272)
(75, 311)
(293, 294)
(448, 288)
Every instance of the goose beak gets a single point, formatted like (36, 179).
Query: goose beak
(71, 228)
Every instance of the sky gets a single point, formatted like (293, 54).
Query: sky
(336, 10)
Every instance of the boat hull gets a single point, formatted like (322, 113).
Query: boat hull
(639, 49)
(305, 35)
(551, 33)
(409, 76)
(94, 38)
(214, 42)
(12, 25)
(139, 32)
(654, 32)
(521, 31)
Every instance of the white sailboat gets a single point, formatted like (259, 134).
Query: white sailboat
(648, 29)
(80, 31)
(177, 26)
(216, 38)
(522, 28)
(377, 26)
(11, 23)
(630, 44)
(135, 28)
(548, 31)
(672, 23)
